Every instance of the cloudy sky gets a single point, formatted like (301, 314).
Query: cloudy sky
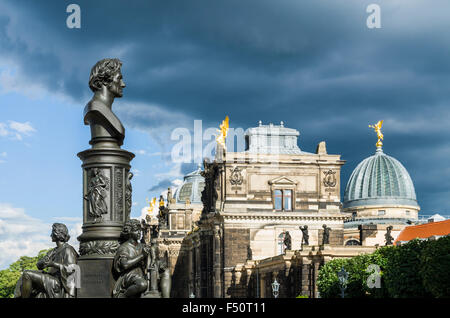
(313, 64)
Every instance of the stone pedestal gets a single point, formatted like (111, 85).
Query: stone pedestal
(106, 206)
(151, 294)
(96, 278)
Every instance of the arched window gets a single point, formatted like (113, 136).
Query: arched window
(281, 243)
(352, 242)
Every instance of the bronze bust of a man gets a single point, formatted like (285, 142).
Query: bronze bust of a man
(106, 83)
(61, 264)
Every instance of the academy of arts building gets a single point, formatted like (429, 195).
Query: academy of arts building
(274, 212)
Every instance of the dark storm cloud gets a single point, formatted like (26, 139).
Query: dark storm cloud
(162, 185)
(312, 64)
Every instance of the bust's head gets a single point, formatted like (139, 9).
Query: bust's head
(107, 73)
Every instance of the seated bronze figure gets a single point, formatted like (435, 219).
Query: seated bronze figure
(58, 281)
(129, 262)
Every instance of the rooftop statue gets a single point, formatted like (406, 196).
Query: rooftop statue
(305, 238)
(377, 128)
(163, 213)
(287, 241)
(326, 234)
(58, 281)
(106, 83)
(388, 235)
(223, 131)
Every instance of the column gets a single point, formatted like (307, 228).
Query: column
(217, 250)
(106, 206)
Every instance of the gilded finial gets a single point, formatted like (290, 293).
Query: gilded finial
(223, 131)
(377, 128)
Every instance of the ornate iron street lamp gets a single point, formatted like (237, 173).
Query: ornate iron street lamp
(275, 288)
(343, 278)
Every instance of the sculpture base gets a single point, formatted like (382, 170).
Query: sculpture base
(96, 278)
(151, 294)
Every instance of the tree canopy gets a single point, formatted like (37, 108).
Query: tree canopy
(10, 276)
(419, 268)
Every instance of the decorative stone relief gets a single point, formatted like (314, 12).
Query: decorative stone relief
(330, 178)
(118, 193)
(128, 193)
(98, 247)
(236, 176)
(97, 192)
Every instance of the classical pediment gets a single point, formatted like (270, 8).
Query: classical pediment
(283, 180)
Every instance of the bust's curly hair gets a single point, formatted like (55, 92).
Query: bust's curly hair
(130, 226)
(102, 73)
(61, 232)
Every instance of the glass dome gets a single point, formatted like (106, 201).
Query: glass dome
(380, 180)
(191, 188)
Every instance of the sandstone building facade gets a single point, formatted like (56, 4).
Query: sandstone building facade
(228, 223)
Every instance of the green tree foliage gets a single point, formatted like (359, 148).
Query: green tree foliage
(380, 257)
(416, 269)
(328, 281)
(356, 267)
(402, 276)
(10, 276)
(8, 280)
(357, 276)
(435, 267)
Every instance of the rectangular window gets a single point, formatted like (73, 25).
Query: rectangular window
(381, 212)
(407, 212)
(287, 196)
(283, 200)
(278, 200)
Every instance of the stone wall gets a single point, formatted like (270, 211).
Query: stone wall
(180, 271)
(336, 237)
(236, 242)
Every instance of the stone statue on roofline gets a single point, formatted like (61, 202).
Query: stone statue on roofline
(388, 236)
(326, 235)
(287, 240)
(305, 237)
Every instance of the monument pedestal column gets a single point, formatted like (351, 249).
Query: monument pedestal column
(106, 206)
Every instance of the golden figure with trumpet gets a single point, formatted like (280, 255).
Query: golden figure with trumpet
(152, 205)
(223, 131)
(377, 128)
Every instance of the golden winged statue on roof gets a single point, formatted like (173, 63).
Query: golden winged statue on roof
(223, 131)
(377, 128)
(152, 205)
